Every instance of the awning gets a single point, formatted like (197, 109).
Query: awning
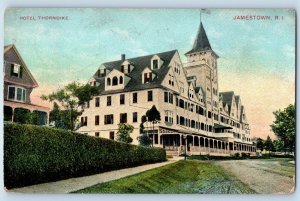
(219, 126)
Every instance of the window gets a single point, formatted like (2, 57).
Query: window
(122, 68)
(123, 118)
(182, 121)
(170, 98)
(166, 94)
(109, 119)
(171, 80)
(168, 116)
(181, 103)
(147, 77)
(155, 64)
(122, 99)
(112, 135)
(209, 114)
(97, 102)
(83, 121)
(121, 80)
(134, 117)
(16, 70)
(150, 96)
(97, 120)
(101, 72)
(108, 102)
(11, 93)
(115, 81)
(134, 97)
(108, 81)
(97, 134)
(16, 93)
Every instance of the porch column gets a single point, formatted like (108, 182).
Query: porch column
(221, 146)
(180, 140)
(204, 144)
(158, 139)
(12, 114)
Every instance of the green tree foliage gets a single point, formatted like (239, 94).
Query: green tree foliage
(269, 144)
(39, 154)
(143, 138)
(284, 127)
(153, 116)
(71, 98)
(260, 144)
(123, 134)
(22, 116)
(278, 146)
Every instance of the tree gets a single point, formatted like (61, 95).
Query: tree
(260, 144)
(269, 144)
(143, 139)
(284, 127)
(71, 98)
(123, 134)
(153, 116)
(278, 146)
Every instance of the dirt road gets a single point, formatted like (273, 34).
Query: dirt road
(263, 176)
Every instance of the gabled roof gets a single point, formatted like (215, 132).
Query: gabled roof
(201, 42)
(140, 63)
(227, 98)
(7, 48)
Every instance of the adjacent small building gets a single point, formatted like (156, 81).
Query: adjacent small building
(193, 111)
(18, 85)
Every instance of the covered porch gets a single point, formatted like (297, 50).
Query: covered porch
(175, 143)
(25, 113)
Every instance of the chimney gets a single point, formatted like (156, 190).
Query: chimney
(123, 57)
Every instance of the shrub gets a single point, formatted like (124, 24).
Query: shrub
(245, 155)
(236, 155)
(34, 154)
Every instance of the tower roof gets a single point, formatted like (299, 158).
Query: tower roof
(201, 42)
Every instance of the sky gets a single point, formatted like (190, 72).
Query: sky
(257, 57)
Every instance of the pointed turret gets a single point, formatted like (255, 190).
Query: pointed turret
(201, 42)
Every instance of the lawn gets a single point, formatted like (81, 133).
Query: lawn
(189, 176)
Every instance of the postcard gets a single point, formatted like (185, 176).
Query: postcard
(149, 101)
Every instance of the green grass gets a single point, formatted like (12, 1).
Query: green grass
(180, 177)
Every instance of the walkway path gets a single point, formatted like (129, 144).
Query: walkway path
(74, 184)
(263, 176)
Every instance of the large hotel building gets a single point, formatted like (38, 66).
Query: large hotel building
(193, 111)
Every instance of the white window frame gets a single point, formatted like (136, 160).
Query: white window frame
(23, 95)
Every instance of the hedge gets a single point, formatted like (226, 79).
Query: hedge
(35, 154)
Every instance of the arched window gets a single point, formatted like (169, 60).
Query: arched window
(108, 82)
(115, 81)
(121, 80)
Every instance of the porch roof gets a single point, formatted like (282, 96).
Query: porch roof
(219, 126)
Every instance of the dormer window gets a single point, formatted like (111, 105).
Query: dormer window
(108, 81)
(126, 67)
(121, 80)
(155, 63)
(115, 81)
(147, 77)
(101, 72)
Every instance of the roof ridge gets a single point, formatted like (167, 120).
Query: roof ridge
(139, 57)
